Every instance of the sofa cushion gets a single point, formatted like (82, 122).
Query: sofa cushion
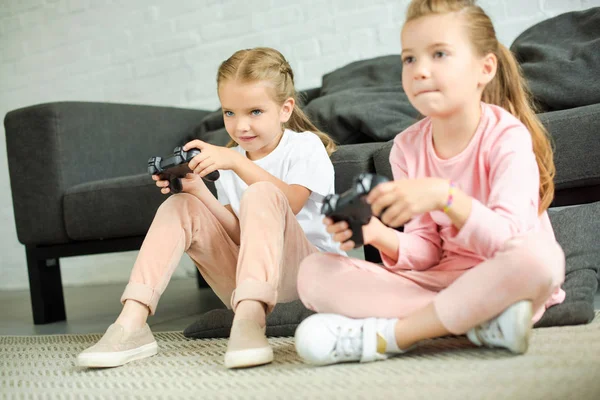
(576, 229)
(112, 208)
(363, 102)
(560, 58)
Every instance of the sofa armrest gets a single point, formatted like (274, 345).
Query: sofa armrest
(575, 135)
(54, 146)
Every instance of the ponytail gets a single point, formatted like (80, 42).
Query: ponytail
(509, 90)
(299, 122)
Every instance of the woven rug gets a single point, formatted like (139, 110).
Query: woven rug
(562, 363)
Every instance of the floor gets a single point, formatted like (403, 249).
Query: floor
(91, 309)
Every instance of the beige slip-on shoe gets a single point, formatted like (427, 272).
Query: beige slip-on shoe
(118, 347)
(248, 345)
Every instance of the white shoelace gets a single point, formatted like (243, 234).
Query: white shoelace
(349, 343)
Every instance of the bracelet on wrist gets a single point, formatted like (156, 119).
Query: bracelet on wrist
(450, 199)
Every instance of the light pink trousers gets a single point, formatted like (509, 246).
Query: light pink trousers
(528, 267)
(264, 267)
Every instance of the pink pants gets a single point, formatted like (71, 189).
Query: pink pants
(264, 267)
(527, 268)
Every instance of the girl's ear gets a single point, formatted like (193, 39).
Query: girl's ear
(489, 66)
(286, 110)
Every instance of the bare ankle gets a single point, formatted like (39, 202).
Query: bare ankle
(133, 316)
(252, 309)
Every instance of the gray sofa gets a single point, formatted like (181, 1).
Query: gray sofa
(82, 188)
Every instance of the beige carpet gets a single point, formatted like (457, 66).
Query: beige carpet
(562, 363)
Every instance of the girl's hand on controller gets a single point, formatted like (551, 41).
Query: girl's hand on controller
(211, 158)
(402, 199)
(189, 183)
(341, 233)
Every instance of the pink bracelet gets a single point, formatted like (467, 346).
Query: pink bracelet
(449, 201)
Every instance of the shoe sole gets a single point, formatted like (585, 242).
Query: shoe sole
(248, 358)
(116, 358)
(524, 327)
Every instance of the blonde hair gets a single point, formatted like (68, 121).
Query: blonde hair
(267, 64)
(508, 89)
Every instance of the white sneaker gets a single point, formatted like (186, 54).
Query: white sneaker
(510, 330)
(323, 339)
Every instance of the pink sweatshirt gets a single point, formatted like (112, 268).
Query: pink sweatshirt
(497, 169)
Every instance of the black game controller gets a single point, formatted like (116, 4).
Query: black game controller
(351, 206)
(175, 167)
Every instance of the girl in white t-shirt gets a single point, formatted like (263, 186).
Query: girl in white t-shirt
(247, 244)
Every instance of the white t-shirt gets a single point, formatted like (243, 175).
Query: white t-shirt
(299, 159)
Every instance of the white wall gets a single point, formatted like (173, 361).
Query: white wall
(166, 52)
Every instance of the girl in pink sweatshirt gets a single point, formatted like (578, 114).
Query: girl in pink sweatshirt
(472, 182)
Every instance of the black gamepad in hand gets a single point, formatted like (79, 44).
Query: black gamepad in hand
(175, 167)
(351, 206)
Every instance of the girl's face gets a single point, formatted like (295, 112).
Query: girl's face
(252, 118)
(441, 73)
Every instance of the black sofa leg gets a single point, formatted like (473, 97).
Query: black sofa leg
(201, 282)
(45, 287)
